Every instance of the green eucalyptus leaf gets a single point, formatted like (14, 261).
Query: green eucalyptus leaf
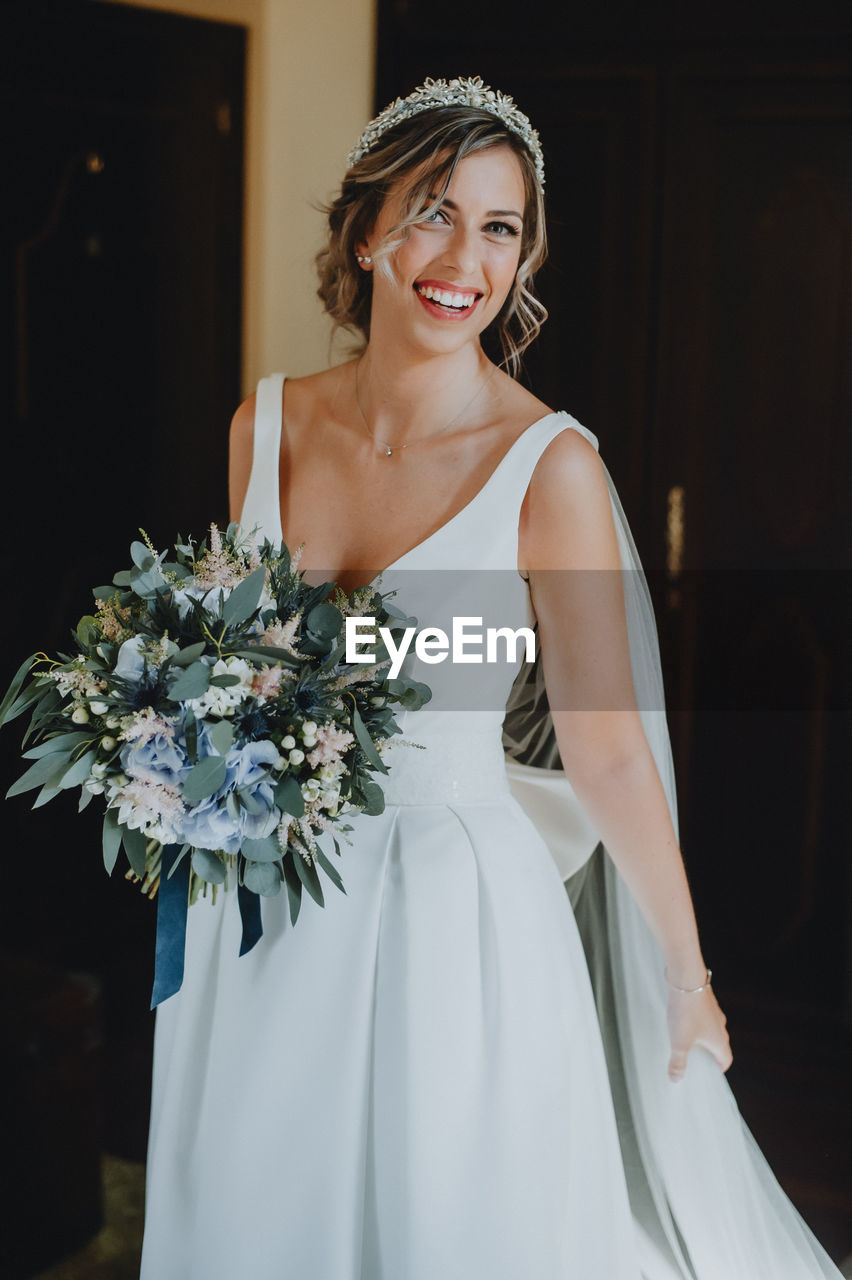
(266, 850)
(191, 683)
(294, 887)
(222, 736)
(14, 689)
(175, 569)
(204, 779)
(263, 878)
(330, 870)
(189, 655)
(136, 848)
(87, 631)
(244, 599)
(60, 742)
(224, 681)
(122, 578)
(111, 839)
(178, 860)
(324, 621)
(78, 772)
(209, 866)
(365, 742)
(309, 876)
(269, 653)
(190, 733)
(141, 556)
(333, 657)
(374, 798)
(50, 793)
(86, 798)
(45, 772)
(251, 804)
(288, 796)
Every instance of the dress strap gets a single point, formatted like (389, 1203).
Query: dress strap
(262, 504)
(524, 458)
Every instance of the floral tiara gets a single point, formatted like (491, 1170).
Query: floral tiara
(460, 92)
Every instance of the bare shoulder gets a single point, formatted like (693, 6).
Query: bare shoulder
(570, 459)
(240, 452)
(242, 423)
(566, 519)
(312, 396)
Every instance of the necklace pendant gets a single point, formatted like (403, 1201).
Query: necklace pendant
(388, 451)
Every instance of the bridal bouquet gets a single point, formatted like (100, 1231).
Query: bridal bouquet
(208, 705)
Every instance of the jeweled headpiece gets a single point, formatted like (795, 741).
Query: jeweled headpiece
(460, 92)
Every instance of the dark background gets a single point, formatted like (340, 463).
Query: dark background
(122, 139)
(699, 188)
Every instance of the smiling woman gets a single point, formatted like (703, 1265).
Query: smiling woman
(432, 1077)
(420, 156)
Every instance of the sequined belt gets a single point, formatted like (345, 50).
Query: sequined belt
(462, 769)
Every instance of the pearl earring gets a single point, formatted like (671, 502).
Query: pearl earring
(363, 258)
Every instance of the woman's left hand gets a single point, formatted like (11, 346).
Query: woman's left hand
(695, 1018)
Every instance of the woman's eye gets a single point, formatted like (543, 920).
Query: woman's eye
(503, 228)
(434, 216)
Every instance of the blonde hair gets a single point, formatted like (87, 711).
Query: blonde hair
(425, 150)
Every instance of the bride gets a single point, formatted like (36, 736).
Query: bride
(459, 1069)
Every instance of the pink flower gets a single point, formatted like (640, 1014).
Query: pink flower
(331, 744)
(280, 635)
(265, 682)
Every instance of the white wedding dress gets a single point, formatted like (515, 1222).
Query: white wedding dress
(421, 1081)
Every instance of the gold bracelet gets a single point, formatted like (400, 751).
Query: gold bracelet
(691, 991)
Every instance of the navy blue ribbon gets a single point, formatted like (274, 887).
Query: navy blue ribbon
(250, 916)
(172, 906)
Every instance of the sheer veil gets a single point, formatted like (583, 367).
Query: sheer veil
(705, 1202)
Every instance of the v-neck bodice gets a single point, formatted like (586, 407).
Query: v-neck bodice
(480, 534)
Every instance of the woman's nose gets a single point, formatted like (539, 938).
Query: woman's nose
(461, 251)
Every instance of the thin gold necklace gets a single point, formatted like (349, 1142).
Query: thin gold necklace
(389, 448)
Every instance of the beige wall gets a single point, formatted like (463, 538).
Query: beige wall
(309, 93)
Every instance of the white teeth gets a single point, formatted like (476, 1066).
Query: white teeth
(459, 301)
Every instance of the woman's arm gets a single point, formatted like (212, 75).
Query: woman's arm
(568, 536)
(240, 450)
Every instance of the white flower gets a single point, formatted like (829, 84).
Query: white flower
(223, 702)
(309, 729)
(80, 715)
(98, 770)
(296, 756)
(112, 722)
(98, 708)
(309, 741)
(95, 787)
(108, 743)
(289, 742)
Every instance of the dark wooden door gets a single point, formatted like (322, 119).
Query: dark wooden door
(122, 145)
(754, 405)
